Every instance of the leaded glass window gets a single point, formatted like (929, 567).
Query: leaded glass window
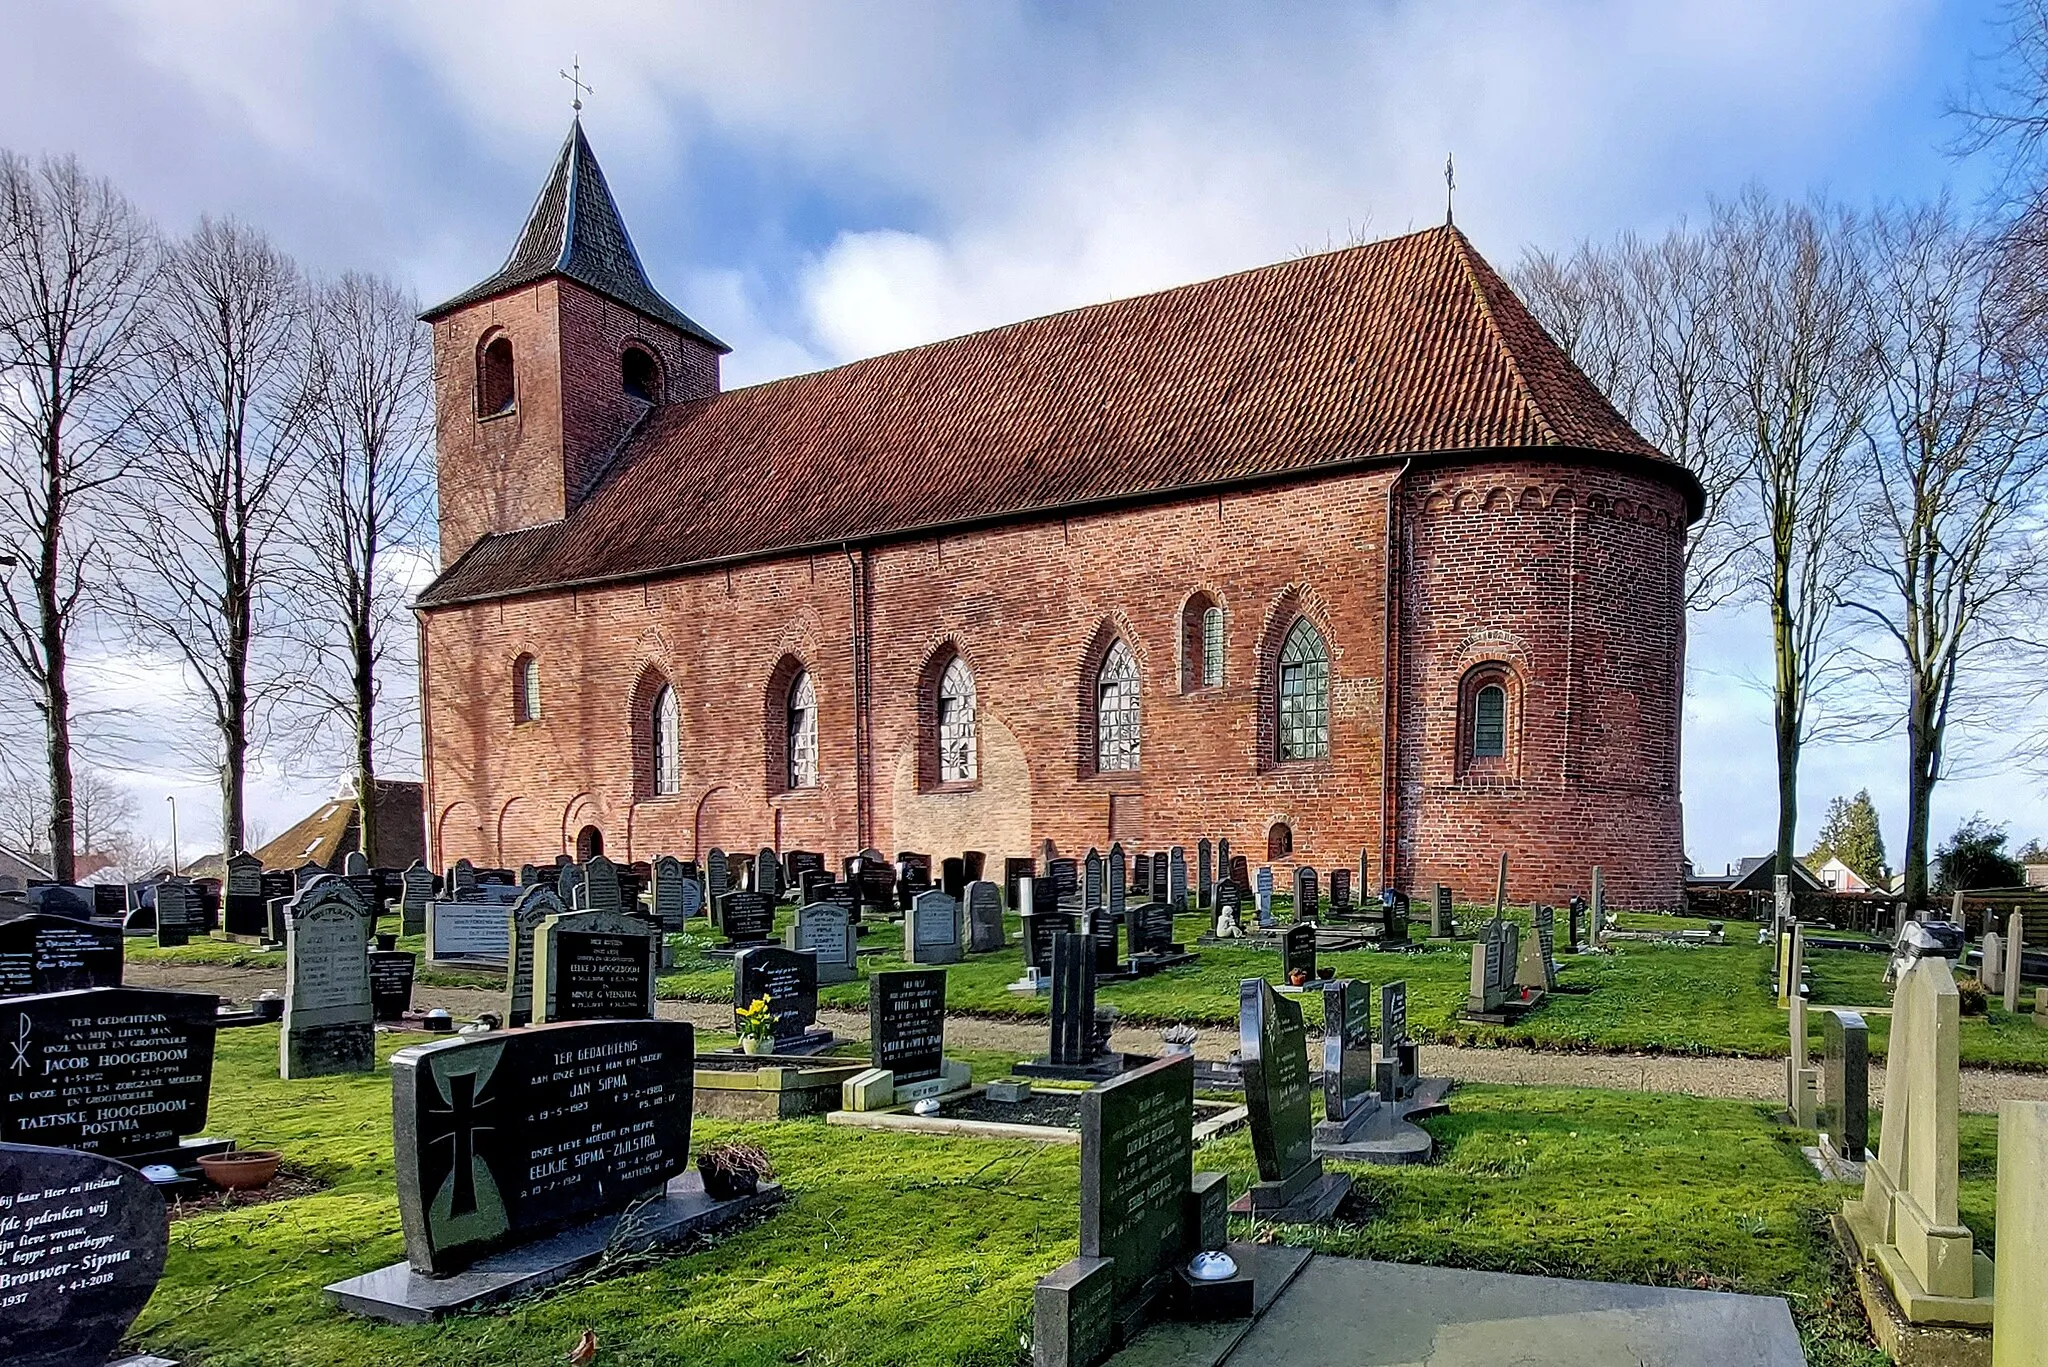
(668, 760)
(526, 689)
(1304, 695)
(1490, 723)
(1116, 710)
(1212, 647)
(956, 723)
(803, 733)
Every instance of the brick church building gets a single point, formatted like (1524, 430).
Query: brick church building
(1334, 555)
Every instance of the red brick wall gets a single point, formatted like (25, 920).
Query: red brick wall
(518, 469)
(1028, 605)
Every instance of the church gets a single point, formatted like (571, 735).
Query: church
(1336, 557)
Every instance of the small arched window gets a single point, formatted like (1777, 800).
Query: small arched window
(803, 733)
(1201, 644)
(495, 390)
(665, 732)
(1490, 722)
(640, 375)
(955, 713)
(526, 689)
(1116, 711)
(1279, 841)
(1304, 695)
(1212, 647)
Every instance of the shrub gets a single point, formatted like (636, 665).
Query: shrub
(1973, 997)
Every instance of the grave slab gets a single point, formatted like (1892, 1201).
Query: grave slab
(403, 1296)
(1349, 1312)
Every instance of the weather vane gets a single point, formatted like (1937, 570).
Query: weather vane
(574, 76)
(1450, 184)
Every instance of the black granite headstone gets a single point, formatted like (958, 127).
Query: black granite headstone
(1347, 1046)
(1073, 999)
(391, 973)
(1845, 1101)
(178, 914)
(1205, 874)
(1039, 929)
(1152, 928)
(1137, 1161)
(117, 1070)
(787, 979)
(506, 1136)
(593, 965)
(82, 1243)
(913, 875)
(1272, 1039)
(1307, 898)
(1119, 881)
(747, 917)
(985, 933)
(907, 1022)
(1015, 868)
(110, 900)
(1298, 951)
(1094, 889)
(41, 954)
(241, 908)
(1063, 877)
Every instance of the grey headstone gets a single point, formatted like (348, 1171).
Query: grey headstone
(329, 1026)
(985, 932)
(932, 933)
(412, 903)
(826, 930)
(1845, 1098)
(1177, 879)
(593, 965)
(522, 922)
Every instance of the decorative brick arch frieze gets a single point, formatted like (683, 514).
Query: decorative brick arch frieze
(499, 853)
(1459, 497)
(450, 830)
(1283, 610)
(584, 809)
(1116, 626)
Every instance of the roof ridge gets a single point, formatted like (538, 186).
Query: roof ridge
(1465, 254)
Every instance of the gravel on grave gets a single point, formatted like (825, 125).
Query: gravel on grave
(1053, 1110)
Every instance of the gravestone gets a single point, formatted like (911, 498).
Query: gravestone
(1575, 937)
(1443, 920)
(1224, 865)
(1546, 944)
(1484, 995)
(110, 900)
(1016, 868)
(365, 886)
(391, 974)
(466, 932)
(61, 899)
(504, 1137)
(716, 876)
(241, 906)
(1394, 1070)
(1348, 1086)
(83, 1246)
(1265, 896)
(178, 914)
(1064, 879)
(913, 875)
(1298, 952)
(1152, 931)
(1307, 898)
(1845, 1075)
(1229, 911)
(1340, 893)
(800, 864)
(1991, 963)
(328, 1024)
(2015, 940)
(40, 954)
(117, 1070)
(461, 881)
(1272, 1040)
(1176, 879)
(418, 882)
(876, 881)
(522, 922)
(1144, 1214)
(932, 933)
(985, 933)
(1039, 929)
(768, 873)
(569, 885)
(825, 930)
(2019, 1335)
(1119, 884)
(1364, 872)
(907, 1028)
(787, 979)
(1162, 876)
(354, 863)
(1394, 917)
(668, 894)
(1141, 875)
(593, 965)
(1907, 1218)
(1107, 932)
(747, 918)
(1802, 1083)
(1599, 906)
(1529, 972)
(1205, 874)
(390, 888)
(1073, 1001)
(1093, 890)
(600, 886)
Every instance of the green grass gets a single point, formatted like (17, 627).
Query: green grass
(915, 1249)
(1641, 997)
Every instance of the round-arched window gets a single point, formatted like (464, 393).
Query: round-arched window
(526, 689)
(640, 374)
(1490, 722)
(495, 389)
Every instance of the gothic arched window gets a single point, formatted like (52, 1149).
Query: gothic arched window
(958, 760)
(1303, 701)
(665, 732)
(1116, 710)
(803, 733)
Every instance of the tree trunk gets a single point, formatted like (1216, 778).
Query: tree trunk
(56, 689)
(1923, 750)
(366, 755)
(1785, 713)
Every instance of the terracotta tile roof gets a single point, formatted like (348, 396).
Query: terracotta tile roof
(1409, 346)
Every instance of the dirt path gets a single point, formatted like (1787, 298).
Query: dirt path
(1734, 1078)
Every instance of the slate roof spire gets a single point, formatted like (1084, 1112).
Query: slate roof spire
(574, 230)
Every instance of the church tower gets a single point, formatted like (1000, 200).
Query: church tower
(545, 370)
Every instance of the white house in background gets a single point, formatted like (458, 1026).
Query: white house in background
(1836, 876)
(2037, 875)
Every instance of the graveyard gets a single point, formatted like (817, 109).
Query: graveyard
(354, 1254)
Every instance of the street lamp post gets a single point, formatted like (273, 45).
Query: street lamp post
(172, 798)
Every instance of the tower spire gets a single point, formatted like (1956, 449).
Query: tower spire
(1450, 185)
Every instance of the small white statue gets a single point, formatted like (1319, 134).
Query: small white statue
(1227, 927)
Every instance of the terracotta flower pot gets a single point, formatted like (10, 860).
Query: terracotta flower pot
(1297, 977)
(241, 1169)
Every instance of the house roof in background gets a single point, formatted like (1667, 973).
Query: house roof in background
(1413, 346)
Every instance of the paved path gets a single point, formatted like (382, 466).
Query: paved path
(1737, 1078)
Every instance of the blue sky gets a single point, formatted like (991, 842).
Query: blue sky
(816, 182)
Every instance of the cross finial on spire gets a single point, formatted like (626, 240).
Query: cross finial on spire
(1450, 184)
(574, 76)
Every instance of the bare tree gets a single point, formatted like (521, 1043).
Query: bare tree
(1794, 385)
(1644, 321)
(105, 809)
(24, 815)
(1952, 554)
(367, 500)
(76, 267)
(223, 429)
